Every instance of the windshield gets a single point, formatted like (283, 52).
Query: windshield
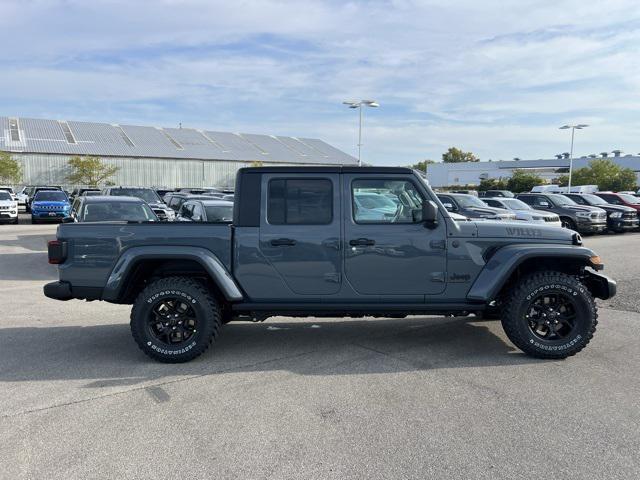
(4, 195)
(594, 199)
(561, 199)
(6, 189)
(630, 198)
(375, 200)
(50, 196)
(515, 204)
(466, 201)
(145, 194)
(219, 213)
(118, 211)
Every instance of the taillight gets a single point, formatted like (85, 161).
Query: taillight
(57, 251)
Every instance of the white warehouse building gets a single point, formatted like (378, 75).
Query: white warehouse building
(471, 173)
(153, 156)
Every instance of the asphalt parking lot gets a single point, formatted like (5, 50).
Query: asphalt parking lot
(305, 398)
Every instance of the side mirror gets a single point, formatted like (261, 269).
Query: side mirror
(68, 220)
(430, 214)
(544, 204)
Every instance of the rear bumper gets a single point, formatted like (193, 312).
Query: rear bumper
(58, 290)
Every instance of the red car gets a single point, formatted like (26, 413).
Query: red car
(621, 199)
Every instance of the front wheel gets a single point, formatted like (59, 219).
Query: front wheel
(550, 315)
(175, 319)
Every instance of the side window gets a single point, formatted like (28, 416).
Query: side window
(300, 201)
(494, 203)
(526, 199)
(186, 211)
(578, 199)
(386, 201)
(76, 204)
(541, 202)
(174, 203)
(448, 202)
(197, 214)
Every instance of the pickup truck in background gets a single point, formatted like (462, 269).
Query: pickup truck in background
(311, 241)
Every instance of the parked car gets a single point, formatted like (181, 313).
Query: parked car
(50, 205)
(8, 190)
(91, 193)
(206, 210)
(298, 247)
(22, 196)
(523, 211)
(621, 199)
(149, 195)
(35, 189)
(8, 208)
(111, 209)
(620, 218)
(76, 192)
(581, 218)
(497, 193)
(473, 207)
(174, 200)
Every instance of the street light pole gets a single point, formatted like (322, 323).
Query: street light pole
(573, 131)
(359, 104)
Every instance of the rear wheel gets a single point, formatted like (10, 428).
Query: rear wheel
(550, 315)
(175, 319)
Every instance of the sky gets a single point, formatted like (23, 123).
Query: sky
(496, 78)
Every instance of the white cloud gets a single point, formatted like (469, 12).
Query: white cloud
(492, 77)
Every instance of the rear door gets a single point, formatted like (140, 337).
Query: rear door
(388, 249)
(300, 231)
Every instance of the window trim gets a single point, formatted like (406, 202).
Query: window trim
(352, 203)
(285, 179)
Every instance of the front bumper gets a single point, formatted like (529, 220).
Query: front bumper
(623, 223)
(586, 226)
(49, 214)
(600, 285)
(7, 216)
(58, 290)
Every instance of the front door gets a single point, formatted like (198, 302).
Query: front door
(388, 249)
(300, 232)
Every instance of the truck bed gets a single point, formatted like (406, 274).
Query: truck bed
(94, 248)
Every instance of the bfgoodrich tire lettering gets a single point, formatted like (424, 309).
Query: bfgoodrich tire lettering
(550, 315)
(193, 301)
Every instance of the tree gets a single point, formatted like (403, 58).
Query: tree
(492, 184)
(89, 171)
(10, 171)
(606, 174)
(523, 181)
(455, 155)
(422, 166)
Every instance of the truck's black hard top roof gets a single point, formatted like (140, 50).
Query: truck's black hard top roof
(326, 170)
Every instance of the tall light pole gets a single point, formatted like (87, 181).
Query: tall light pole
(359, 104)
(573, 128)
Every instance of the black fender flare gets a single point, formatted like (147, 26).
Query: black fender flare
(506, 259)
(207, 259)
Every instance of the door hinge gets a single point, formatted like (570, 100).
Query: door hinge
(438, 244)
(332, 277)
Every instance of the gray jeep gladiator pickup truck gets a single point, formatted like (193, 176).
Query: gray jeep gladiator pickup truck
(338, 242)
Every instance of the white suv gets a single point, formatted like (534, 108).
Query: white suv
(8, 208)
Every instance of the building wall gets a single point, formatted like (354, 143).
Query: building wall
(49, 169)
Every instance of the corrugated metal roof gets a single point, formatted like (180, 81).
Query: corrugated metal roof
(103, 139)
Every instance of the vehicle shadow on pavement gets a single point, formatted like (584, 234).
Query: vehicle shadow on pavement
(106, 355)
(35, 243)
(26, 266)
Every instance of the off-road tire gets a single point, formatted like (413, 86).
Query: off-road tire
(198, 297)
(521, 297)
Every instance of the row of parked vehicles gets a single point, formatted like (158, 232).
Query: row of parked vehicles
(50, 203)
(583, 212)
